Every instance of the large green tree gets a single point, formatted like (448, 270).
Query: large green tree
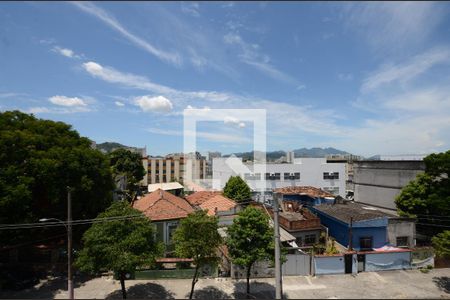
(237, 189)
(197, 238)
(427, 198)
(38, 160)
(250, 239)
(119, 244)
(127, 166)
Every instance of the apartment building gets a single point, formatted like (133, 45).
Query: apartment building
(314, 172)
(173, 167)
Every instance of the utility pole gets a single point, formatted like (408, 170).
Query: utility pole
(350, 237)
(69, 244)
(278, 277)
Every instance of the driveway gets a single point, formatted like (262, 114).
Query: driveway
(387, 284)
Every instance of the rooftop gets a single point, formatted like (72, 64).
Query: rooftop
(303, 190)
(211, 201)
(161, 205)
(358, 212)
(198, 198)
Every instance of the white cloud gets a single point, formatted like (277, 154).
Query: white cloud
(191, 8)
(154, 104)
(306, 123)
(67, 101)
(345, 76)
(391, 26)
(215, 137)
(109, 20)
(140, 82)
(234, 121)
(251, 55)
(118, 103)
(407, 71)
(65, 52)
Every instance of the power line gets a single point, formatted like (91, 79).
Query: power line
(435, 225)
(61, 223)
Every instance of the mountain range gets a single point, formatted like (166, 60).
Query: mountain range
(107, 147)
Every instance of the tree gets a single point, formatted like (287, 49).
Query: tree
(237, 189)
(127, 165)
(120, 244)
(197, 238)
(250, 239)
(38, 160)
(427, 198)
(441, 244)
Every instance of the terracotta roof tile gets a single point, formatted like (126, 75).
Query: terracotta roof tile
(198, 198)
(219, 203)
(303, 190)
(211, 200)
(161, 205)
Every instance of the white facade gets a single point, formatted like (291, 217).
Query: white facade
(314, 172)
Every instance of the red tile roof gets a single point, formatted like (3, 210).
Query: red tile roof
(303, 190)
(161, 205)
(211, 201)
(198, 198)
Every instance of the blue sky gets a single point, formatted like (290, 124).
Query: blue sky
(369, 78)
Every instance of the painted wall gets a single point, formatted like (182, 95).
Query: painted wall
(329, 265)
(388, 261)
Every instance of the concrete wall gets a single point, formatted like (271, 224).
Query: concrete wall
(388, 261)
(379, 182)
(311, 173)
(399, 228)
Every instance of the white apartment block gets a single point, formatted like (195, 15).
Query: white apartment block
(314, 172)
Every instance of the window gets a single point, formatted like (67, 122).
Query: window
(292, 176)
(250, 176)
(310, 239)
(299, 241)
(402, 241)
(332, 189)
(365, 243)
(330, 175)
(171, 227)
(273, 176)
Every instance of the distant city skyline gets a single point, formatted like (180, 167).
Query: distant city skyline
(369, 78)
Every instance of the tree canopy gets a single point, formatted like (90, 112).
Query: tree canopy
(197, 238)
(38, 160)
(237, 189)
(441, 244)
(250, 239)
(119, 245)
(428, 196)
(127, 165)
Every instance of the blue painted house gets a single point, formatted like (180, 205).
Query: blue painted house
(368, 225)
